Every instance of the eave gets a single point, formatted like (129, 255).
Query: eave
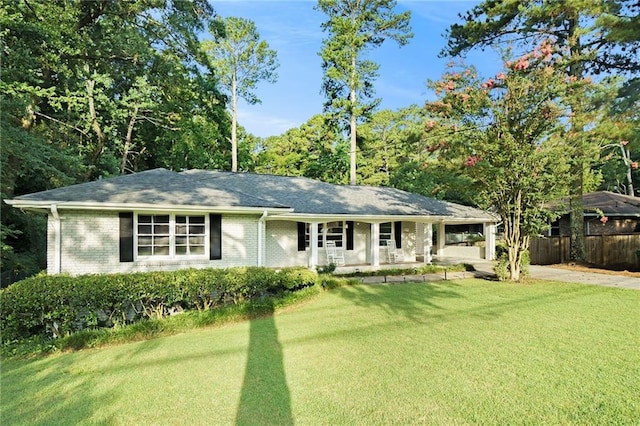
(45, 206)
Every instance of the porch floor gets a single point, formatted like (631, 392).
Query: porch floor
(482, 267)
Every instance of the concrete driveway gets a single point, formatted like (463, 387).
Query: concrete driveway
(567, 275)
(485, 268)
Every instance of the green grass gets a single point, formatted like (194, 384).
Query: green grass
(455, 352)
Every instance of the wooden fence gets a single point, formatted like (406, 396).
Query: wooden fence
(602, 250)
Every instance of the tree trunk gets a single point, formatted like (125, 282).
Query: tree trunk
(576, 213)
(234, 124)
(128, 140)
(95, 124)
(353, 125)
(626, 155)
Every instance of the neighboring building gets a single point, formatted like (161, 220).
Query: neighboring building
(163, 220)
(622, 213)
(611, 229)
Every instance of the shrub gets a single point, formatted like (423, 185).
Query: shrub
(59, 305)
(501, 267)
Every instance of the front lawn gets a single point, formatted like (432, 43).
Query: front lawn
(454, 352)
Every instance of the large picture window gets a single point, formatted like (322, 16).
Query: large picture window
(171, 235)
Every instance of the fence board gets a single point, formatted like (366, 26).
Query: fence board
(602, 250)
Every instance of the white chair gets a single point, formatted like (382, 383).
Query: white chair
(392, 251)
(335, 254)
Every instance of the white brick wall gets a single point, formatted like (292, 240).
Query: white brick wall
(281, 247)
(90, 244)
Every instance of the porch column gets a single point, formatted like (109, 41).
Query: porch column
(441, 239)
(428, 242)
(490, 241)
(375, 244)
(313, 245)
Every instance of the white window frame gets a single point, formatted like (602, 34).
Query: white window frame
(383, 235)
(172, 237)
(323, 231)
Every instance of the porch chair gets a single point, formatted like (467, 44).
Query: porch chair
(392, 252)
(335, 254)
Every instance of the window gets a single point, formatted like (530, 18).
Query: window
(171, 235)
(332, 231)
(386, 233)
(153, 235)
(554, 230)
(190, 235)
(335, 233)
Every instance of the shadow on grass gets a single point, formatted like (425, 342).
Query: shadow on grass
(31, 392)
(409, 300)
(419, 302)
(265, 397)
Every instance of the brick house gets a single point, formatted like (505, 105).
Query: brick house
(622, 213)
(164, 220)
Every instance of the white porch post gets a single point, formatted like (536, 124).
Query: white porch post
(313, 245)
(375, 244)
(428, 242)
(441, 239)
(420, 242)
(490, 241)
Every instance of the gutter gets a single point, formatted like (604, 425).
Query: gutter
(77, 205)
(261, 237)
(57, 241)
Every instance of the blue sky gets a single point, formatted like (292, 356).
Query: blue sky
(292, 28)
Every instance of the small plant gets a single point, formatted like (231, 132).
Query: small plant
(327, 269)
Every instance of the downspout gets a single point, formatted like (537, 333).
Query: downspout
(261, 237)
(57, 241)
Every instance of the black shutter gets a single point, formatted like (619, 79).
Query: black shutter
(301, 236)
(350, 226)
(126, 237)
(398, 233)
(215, 236)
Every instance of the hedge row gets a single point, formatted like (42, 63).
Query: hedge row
(59, 305)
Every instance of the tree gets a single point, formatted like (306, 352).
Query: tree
(503, 136)
(354, 27)
(241, 60)
(389, 140)
(594, 36)
(93, 88)
(313, 150)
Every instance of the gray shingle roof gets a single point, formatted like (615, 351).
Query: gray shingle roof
(204, 188)
(308, 196)
(612, 204)
(609, 203)
(158, 186)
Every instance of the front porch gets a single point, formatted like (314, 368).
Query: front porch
(364, 243)
(482, 266)
(365, 267)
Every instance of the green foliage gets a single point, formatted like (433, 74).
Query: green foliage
(59, 305)
(314, 150)
(354, 28)
(590, 37)
(506, 136)
(98, 88)
(240, 60)
(612, 26)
